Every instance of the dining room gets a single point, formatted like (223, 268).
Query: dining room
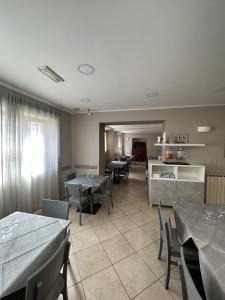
(112, 150)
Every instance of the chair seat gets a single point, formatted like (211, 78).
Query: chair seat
(56, 289)
(76, 199)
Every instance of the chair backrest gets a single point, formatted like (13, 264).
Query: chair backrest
(71, 176)
(40, 283)
(188, 285)
(110, 185)
(162, 219)
(55, 209)
(73, 189)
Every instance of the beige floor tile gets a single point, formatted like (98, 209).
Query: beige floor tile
(104, 285)
(116, 213)
(138, 238)
(153, 229)
(106, 231)
(150, 256)
(84, 239)
(152, 213)
(76, 292)
(140, 218)
(73, 275)
(129, 209)
(124, 224)
(92, 260)
(117, 248)
(134, 274)
(154, 292)
(174, 284)
(100, 218)
(142, 204)
(75, 226)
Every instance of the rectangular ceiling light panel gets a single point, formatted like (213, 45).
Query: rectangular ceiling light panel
(50, 73)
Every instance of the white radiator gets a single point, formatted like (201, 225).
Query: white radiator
(215, 189)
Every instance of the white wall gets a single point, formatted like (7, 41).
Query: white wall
(85, 133)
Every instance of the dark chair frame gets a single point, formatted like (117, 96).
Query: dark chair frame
(39, 284)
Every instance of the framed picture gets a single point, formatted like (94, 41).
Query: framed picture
(181, 138)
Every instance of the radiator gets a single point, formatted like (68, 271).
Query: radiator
(215, 189)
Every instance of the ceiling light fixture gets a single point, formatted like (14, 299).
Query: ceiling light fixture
(85, 100)
(50, 73)
(86, 69)
(89, 112)
(152, 94)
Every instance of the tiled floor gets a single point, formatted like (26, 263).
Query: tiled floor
(115, 257)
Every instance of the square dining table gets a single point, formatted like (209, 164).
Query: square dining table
(92, 183)
(26, 242)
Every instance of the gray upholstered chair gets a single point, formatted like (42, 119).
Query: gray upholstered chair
(104, 193)
(55, 209)
(189, 289)
(76, 196)
(48, 282)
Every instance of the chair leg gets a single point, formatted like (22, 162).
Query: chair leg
(108, 206)
(65, 294)
(160, 248)
(80, 209)
(112, 201)
(91, 204)
(168, 267)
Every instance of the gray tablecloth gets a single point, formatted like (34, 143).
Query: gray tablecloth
(114, 164)
(26, 242)
(89, 181)
(205, 224)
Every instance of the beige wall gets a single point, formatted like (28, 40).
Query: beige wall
(85, 133)
(149, 138)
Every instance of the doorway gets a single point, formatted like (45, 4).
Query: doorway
(120, 139)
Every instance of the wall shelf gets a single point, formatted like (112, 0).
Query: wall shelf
(179, 145)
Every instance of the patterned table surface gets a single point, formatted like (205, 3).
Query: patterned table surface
(116, 164)
(26, 242)
(205, 224)
(89, 181)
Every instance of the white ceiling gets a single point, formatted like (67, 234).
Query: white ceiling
(137, 128)
(175, 48)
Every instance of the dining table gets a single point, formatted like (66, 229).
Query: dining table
(115, 166)
(27, 241)
(205, 226)
(91, 183)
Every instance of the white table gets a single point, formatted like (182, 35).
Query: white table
(26, 242)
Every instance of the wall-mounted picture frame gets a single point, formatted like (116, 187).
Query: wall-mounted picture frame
(181, 138)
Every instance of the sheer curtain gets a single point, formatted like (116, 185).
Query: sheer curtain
(29, 153)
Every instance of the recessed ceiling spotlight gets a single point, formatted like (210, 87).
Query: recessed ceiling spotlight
(152, 94)
(86, 69)
(85, 100)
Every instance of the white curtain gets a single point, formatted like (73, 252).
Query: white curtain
(29, 153)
